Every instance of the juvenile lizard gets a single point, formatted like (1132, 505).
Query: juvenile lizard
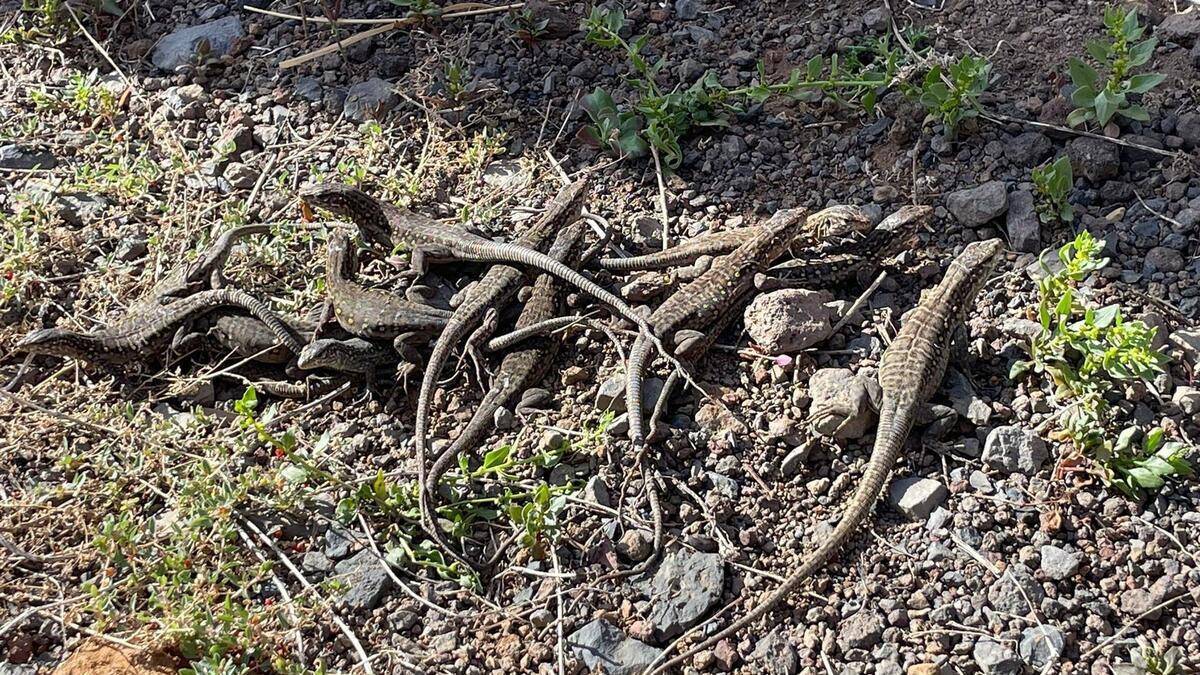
(909, 373)
(499, 284)
(368, 312)
(141, 335)
(519, 370)
(836, 221)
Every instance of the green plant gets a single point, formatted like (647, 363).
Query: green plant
(1053, 183)
(426, 8)
(952, 96)
(1085, 350)
(658, 118)
(526, 27)
(1120, 54)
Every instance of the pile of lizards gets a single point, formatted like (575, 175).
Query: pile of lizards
(710, 279)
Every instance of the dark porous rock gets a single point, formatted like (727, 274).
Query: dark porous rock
(602, 646)
(994, 658)
(861, 631)
(1028, 149)
(212, 39)
(774, 655)
(1059, 563)
(1016, 592)
(1182, 28)
(366, 580)
(1094, 159)
(16, 157)
(1188, 128)
(1163, 259)
(1024, 226)
(977, 206)
(686, 586)
(369, 100)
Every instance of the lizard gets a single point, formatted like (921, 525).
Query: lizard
(694, 316)
(368, 312)
(139, 335)
(388, 225)
(496, 286)
(837, 221)
(520, 368)
(910, 371)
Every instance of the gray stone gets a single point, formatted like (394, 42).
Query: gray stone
(877, 19)
(1180, 28)
(596, 491)
(16, 157)
(1187, 341)
(240, 176)
(369, 100)
(1162, 259)
(183, 46)
(316, 561)
(916, 497)
(1094, 159)
(1040, 646)
(979, 205)
(601, 645)
(1188, 128)
(1012, 449)
(1016, 592)
(686, 586)
(1059, 563)
(994, 658)
(1028, 149)
(1188, 400)
(789, 320)
(366, 580)
(841, 403)
(861, 631)
(308, 89)
(962, 397)
(635, 545)
(774, 655)
(337, 543)
(686, 10)
(1023, 224)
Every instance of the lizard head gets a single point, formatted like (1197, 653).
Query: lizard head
(55, 342)
(325, 353)
(351, 203)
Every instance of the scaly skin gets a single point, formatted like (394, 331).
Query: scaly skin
(837, 221)
(355, 356)
(519, 370)
(495, 288)
(388, 225)
(141, 336)
(909, 373)
(368, 312)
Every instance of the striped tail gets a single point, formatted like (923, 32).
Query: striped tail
(895, 422)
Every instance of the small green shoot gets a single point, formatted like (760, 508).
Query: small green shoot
(1053, 183)
(951, 103)
(659, 118)
(1124, 50)
(1084, 351)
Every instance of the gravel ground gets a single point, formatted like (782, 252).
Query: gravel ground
(994, 550)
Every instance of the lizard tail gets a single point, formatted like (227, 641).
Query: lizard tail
(638, 354)
(895, 422)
